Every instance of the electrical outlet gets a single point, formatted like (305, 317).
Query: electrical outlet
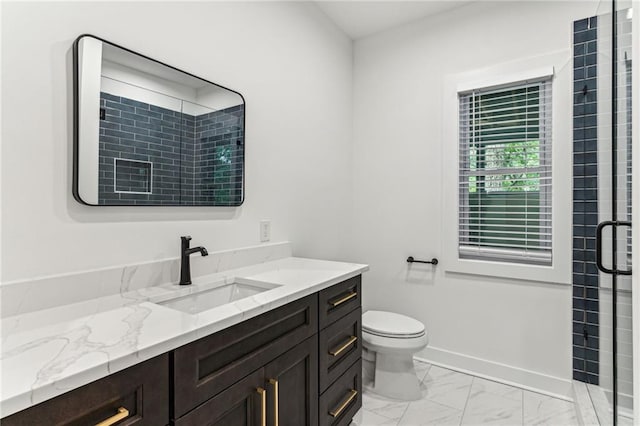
(265, 230)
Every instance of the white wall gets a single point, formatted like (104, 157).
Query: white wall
(512, 329)
(119, 80)
(290, 63)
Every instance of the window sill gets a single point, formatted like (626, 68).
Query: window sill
(507, 270)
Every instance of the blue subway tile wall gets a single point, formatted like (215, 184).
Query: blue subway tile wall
(172, 158)
(585, 202)
(219, 157)
(138, 131)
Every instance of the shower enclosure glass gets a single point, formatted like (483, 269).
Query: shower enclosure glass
(613, 239)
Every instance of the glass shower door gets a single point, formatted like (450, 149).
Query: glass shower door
(613, 238)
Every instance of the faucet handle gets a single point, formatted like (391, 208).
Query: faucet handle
(186, 238)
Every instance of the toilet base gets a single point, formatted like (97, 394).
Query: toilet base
(395, 377)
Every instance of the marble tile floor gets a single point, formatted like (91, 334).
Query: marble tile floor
(453, 398)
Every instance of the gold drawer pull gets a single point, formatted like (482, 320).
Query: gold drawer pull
(340, 301)
(276, 416)
(345, 403)
(263, 402)
(123, 413)
(348, 343)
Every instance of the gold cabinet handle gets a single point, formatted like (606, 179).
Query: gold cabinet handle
(340, 301)
(345, 403)
(123, 413)
(263, 397)
(276, 416)
(348, 343)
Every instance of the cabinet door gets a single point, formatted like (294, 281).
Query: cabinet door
(243, 404)
(292, 384)
(208, 366)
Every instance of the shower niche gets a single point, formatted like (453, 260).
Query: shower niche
(148, 134)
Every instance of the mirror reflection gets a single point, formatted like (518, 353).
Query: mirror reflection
(149, 134)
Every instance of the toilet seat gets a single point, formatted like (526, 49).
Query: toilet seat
(391, 325)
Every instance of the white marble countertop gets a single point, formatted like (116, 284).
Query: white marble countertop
(49, 352)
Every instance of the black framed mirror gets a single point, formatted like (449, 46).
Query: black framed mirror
(149, 134)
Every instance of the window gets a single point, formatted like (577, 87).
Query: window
(505, 173)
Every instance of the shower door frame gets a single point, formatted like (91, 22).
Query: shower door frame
(635, 214)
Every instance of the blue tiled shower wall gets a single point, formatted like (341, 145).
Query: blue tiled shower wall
(195, 160)
(585, 202)
(219, 157)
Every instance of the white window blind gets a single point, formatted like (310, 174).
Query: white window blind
(505, 173)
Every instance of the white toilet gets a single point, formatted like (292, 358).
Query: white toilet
(390, 340)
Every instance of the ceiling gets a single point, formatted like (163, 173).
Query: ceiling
(359, 18)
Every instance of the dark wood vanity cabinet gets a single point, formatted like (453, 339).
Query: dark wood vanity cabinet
(295, 365)
(137, 396)
(275, 366)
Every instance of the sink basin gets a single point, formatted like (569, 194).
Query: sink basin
(207, 299)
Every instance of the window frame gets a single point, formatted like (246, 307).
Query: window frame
(492, 75)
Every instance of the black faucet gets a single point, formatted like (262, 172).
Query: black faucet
(185, 263)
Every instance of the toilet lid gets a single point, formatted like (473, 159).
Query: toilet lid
(390, 324)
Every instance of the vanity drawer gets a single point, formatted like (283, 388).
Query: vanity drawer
(338, 300)
(340, 346)
(138, 395)
(206, 367)
(343, 399)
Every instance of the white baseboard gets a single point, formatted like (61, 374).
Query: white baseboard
(503, 373)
